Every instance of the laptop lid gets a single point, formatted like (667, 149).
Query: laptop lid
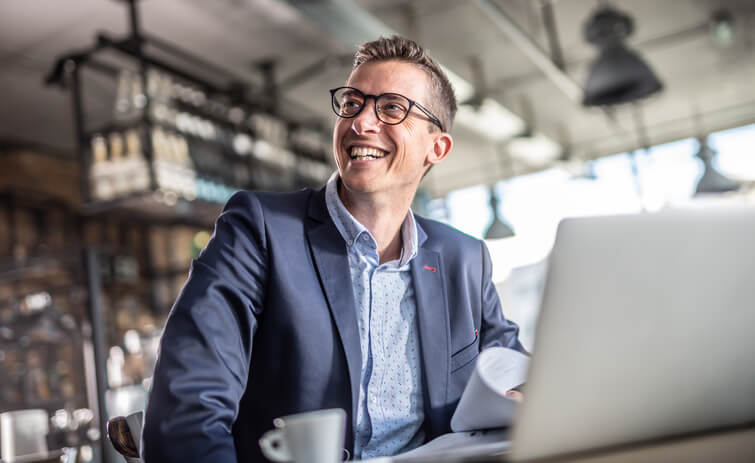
(647, 330)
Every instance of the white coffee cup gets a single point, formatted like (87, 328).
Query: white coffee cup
(312, 437)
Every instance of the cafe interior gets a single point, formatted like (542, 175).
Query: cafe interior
(125, 125)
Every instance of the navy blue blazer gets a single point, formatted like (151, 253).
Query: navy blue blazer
(266, 326)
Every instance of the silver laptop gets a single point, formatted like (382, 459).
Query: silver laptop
(647, 330)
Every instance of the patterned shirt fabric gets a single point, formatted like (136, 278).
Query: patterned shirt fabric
(390, 414)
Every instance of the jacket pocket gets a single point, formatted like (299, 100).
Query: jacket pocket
(465, 354)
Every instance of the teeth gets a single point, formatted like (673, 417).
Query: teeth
(364, 153)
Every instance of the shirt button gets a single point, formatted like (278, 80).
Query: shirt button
(374, 400)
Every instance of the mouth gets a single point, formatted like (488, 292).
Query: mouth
(366, 153)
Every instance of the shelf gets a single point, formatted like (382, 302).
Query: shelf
(145, 207)
(114, 127)
(169, 273)
(204, 114)
(222, 149)
(139, 285)
(33, 267)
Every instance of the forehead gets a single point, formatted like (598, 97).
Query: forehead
(378, 77)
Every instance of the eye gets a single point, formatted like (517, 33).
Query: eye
(392, 105)
(350, 104)
(351, 100)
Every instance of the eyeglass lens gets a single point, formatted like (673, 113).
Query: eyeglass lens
(391, 108)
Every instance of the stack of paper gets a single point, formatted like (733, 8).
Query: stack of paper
(483, 409)
(484, 404)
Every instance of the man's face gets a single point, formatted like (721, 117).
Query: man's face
(374, 157)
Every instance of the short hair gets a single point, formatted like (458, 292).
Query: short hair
(395, 47)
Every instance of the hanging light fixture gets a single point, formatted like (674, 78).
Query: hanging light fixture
(712, 180)
(722, 28)
(619, 75)
(499, 228)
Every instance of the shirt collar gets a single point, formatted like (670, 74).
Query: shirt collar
(350, 228)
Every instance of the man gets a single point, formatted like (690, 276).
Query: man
(334, 298)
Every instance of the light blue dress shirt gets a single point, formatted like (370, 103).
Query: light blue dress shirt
(390, 415)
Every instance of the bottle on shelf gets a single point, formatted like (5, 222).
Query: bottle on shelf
(137, 94)
(130, 97)
(99, 174)
(242, 144)
(117, 160)
(123, 108)
(159, 90)
(174, 168)
(135, 167)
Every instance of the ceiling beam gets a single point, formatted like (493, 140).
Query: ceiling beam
(529, 47)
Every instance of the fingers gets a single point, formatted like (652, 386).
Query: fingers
(514, 395)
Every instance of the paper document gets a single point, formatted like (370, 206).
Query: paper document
(483, 403)
(454, 445)
(459, 445)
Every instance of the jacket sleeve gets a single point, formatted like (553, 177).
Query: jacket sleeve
(205, 350)
(496, 329)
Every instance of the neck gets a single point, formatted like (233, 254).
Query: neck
(382, 216)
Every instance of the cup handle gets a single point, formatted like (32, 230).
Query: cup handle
(273, 445)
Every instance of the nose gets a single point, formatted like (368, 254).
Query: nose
(366, 121)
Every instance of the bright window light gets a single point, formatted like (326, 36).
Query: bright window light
(736, 152)
(534, 204)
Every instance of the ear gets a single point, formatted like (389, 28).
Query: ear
(441, 147)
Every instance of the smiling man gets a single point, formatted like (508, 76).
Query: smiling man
(340, 297)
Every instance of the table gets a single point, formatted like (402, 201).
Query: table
(735, 445)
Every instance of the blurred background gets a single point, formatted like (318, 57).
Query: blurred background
(125, 125)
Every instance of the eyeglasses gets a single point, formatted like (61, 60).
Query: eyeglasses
(390, 108)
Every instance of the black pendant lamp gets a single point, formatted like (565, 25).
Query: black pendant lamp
(712, 180)
(499, 228)
(619, 75)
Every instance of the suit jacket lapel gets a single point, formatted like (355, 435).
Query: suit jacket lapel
(331, 261)
(432, 322)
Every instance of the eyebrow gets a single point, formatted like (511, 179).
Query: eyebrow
(352, 92)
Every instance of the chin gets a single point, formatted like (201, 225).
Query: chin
(358, 183)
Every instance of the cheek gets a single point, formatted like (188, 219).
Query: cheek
(411, 142)
(338, 133)
(413, 138)
(410, 127)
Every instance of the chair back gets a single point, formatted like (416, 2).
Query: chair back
(125, 433)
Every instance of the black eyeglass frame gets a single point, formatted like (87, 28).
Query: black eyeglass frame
(375, 98)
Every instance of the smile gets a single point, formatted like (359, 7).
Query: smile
(366, 153)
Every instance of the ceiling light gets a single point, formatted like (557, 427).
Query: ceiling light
(618, 75)
(722, 28)
(490, 119)
(536, 150)
(712, 181)
(499, 228)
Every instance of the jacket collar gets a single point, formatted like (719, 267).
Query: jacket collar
(332, 265)
(428, 277)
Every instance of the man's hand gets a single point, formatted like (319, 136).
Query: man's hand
(514, 395)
